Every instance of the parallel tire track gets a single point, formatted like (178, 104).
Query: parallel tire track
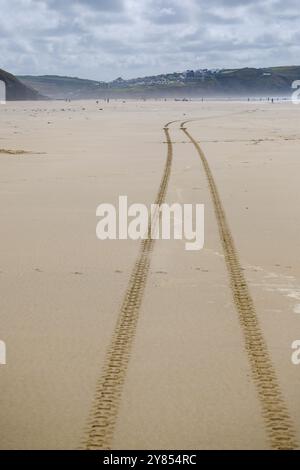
(277, 419)
(103, 417)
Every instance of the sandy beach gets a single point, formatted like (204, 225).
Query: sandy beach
(190, 379)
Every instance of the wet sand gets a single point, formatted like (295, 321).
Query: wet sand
(189, 383)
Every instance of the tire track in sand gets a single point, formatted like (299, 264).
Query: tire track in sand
(104, 413)
(275, 412)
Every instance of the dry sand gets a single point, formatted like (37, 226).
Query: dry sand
(189, 383)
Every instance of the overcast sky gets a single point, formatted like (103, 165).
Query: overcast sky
(104, 39)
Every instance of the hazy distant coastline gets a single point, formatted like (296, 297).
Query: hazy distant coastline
(202, 83)
(274, 81)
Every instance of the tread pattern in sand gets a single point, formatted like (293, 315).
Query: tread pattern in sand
(104, 412)
(277, 419)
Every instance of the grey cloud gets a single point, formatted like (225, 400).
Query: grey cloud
(213, 18)
(101, 5)
(231, 3)
(102, 39)
(165, 12)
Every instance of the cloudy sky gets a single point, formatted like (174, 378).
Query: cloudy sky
(104, 39)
